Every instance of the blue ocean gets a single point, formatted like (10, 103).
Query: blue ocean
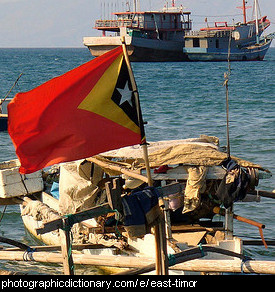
(178, 100)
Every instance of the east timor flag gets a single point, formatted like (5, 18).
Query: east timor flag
(86, 111)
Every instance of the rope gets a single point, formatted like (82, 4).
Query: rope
(23, 182)
(201, 250)
(70, 222)
(119, 235)
(28, 254)
(3, 213)
(172, 259)
(245, 259)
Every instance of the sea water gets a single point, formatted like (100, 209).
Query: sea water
(178, 101)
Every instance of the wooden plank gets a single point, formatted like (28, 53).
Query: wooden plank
(228, 266)
(195, 228)
(113, 191)
(105, 230)
(265, 194)
(173, 188)
(78, 217)
(180, 172)
(258, 242)
(119, 169)
(48, 248)
(66, 248)
(163, 249)
(8, 201)
(190, 238)
(48, 199)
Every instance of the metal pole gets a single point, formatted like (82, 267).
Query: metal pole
(229, 211)
(229, 223)
(226, 76)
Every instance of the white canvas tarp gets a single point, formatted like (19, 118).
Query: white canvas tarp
(203, 151)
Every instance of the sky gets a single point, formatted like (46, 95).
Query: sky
(64, 23)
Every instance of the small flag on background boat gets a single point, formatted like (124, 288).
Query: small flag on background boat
(86, 111)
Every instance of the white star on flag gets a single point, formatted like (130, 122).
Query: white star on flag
(126, 94)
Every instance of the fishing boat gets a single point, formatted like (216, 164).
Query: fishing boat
(239, 42)
(150, 35)
(3, 114)
(4, 107)
(112, 185)
(3, 122)
(140, 207)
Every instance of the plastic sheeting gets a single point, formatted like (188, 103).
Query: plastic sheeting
(78, 186)
(203, 151)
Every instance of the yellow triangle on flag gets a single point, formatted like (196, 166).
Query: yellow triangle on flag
(99, 99)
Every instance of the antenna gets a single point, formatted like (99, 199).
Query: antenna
(226, 81)
(226, 77)
(228, 223)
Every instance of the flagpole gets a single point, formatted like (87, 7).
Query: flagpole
(134, 87)
(159, 229)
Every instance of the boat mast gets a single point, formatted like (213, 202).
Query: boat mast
(136, 5)
(257, 21)
(244, 7)
(244, 11)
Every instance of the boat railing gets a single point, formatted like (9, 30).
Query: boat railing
(207, 33)
(271, 36)
(198, 33)
(115, 24)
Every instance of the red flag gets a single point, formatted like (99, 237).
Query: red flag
(86, 111)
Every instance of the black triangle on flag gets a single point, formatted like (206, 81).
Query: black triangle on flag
(124, 97)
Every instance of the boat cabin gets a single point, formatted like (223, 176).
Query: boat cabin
(152, 24)
(208, 40)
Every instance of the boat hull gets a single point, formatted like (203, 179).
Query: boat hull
(139, 49)
(252, 53)
(3, 122)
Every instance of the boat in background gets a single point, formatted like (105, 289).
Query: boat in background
(3, 122)
(150, 35)
(4, 107)
(238, 42)
(3, 114)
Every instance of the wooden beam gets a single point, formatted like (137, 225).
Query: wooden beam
(48, 248)
(258, 242)
(119, 169)
(8, 201)
(66, 247)
(113, 191)
(77, 218)
(265, 194)
(223, 266)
